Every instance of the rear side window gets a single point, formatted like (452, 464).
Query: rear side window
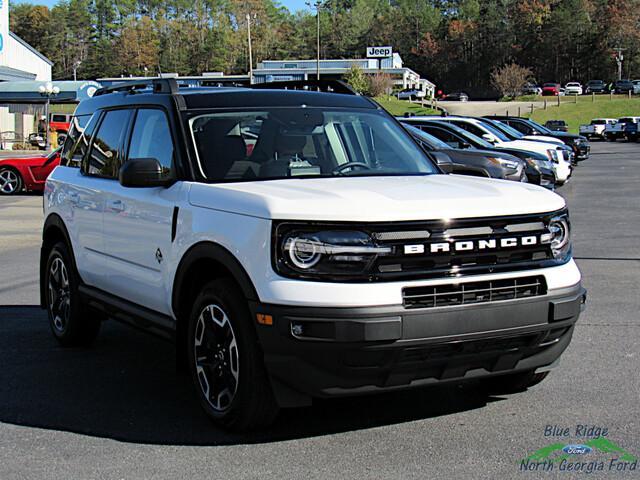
(78, 138)
(521, 127)
(448, 138)
(151, 138)
(105, 160)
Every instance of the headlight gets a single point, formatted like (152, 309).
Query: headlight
(559, 236)
(553, 155)
(538, 163)
(303, 252)
(503, 162)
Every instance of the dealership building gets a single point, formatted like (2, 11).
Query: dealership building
(287, 70)
(19, 62)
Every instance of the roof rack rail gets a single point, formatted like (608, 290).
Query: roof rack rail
(159, 85)
(331, 86)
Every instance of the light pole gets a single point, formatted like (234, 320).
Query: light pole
(47, 91)
(250, 52)
(317, 5)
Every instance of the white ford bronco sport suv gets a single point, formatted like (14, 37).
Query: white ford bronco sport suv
(298, 244)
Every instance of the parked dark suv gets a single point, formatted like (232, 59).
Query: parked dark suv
(595, 86)
(623, 86)
(557, 125)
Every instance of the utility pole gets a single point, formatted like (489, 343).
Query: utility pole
(250, 52)
(619, 59)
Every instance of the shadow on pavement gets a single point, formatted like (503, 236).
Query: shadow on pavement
(126, 388)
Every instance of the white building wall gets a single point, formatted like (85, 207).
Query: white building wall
(22, 58)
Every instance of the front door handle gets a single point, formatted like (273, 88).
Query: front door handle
(116, 206)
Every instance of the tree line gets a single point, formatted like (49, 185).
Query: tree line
(455, 43)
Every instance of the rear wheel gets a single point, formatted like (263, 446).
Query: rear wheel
(71, 322)
(10, 181)
(514, 382)
(225, 360)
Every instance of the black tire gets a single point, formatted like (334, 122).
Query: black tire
(71, 322)
(226, 361)
(11, 182)
(514, 382)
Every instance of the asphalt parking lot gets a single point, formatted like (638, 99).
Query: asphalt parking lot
(119, 410)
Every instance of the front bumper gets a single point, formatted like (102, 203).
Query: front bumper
(324, 352)
(582, 151)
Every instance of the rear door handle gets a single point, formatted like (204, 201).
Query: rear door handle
(116, 206)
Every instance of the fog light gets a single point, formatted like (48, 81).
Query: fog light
(296, 329)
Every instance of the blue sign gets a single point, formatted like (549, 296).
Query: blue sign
(1, 42)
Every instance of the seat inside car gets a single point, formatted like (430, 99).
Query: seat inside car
(222, 152)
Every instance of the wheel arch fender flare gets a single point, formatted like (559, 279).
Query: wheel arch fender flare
(209, 251)
(53, 229)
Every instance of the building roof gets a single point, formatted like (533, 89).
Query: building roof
(8, 74)
(30, 48)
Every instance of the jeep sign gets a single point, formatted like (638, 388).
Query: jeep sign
(379, 52)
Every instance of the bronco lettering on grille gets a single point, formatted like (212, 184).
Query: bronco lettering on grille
(472, 245)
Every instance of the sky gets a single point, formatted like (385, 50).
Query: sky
(292, 5)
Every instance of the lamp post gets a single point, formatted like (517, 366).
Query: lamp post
(47, 91)
(250, 52)
(317, 4)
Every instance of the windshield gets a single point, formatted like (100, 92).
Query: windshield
(503, 127)
(540, 128)
(274, 143)
(478, 142)
(501, 136)
(427, 138)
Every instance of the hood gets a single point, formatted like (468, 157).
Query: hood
(472, 154)
(376, 199)
(566, 135)
(540, 147)
(543, 138)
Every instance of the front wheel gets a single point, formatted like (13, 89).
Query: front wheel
(514, 382)
(71, 322)
(10, 181)
(226, 361)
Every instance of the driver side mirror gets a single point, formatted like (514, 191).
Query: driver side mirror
(444, 162)
(143, 173)
(489, 138)
(464, 145)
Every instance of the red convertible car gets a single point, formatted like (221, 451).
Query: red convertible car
(26, 173)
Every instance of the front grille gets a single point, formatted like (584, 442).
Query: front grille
(473, 292)
(401, 264)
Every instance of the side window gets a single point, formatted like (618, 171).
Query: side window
(104, 159)
(469, 128)
(445, 136)
(78, 138)
(520, 127)
(151, 138)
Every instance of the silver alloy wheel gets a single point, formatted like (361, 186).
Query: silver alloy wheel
(8, 181)
(59, 294)
(216, 357)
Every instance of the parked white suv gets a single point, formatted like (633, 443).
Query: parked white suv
(299, 244)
